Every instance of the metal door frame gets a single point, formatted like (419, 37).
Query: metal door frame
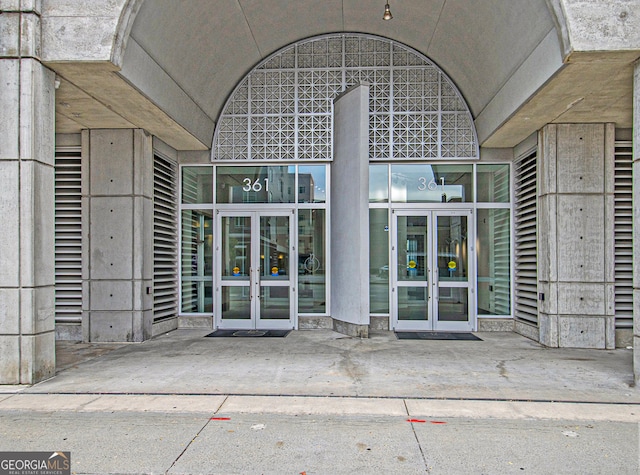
(433, 283)
(255, 284)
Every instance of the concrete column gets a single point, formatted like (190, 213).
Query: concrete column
(118, 235)
(27, 336)
(575, 236)
(350, 213)
(636, 221)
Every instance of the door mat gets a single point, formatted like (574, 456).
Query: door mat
(436, 336)
(250, 333)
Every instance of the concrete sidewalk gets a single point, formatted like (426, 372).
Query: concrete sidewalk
(320, 402)
(503, 366)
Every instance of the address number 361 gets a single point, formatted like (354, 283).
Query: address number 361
(430, 185)
(256, 186)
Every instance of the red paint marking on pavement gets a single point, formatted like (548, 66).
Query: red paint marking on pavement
(437, 422)
(220, 419)
(415, 420)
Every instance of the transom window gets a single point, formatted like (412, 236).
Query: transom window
(283, 109)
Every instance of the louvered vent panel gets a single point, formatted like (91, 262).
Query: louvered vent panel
(623, 228)
(165, 239)
(526, 248)
(68, 236)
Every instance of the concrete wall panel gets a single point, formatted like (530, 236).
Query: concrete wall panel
(581, 299)
(44, 224)
(111, 162)
(142, 168)
(37, 357)
(636, 312)
(30, 44)
(550, 303)
(10, 33)
(142, 325)
(10, 103)
(119, 236)
(37, 139)
(609, 238)
(141, 299)
(595, 25)
(146, 230)
(111, 238)
(9, 311)
(547, 246)
(10, 219)
(636, 219)
(195, 322)
(73, 37)
(578, 332)
(111, 326)
(10, 358)
(27, 204)
(111, 295)
(548, 325)
(37, 310)
(547, 173)
(580, 158)
(580, 238)
(142, 238)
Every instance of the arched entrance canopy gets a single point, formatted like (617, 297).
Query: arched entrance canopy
(168, 67)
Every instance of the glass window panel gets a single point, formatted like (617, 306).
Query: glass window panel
(379, 260)
(197, 185)
(412, 248)
(197, 296)
(453, 305)
(236, 247)
(412, 303)
(452, 249)
(274, 303)
(266, 184)
(311, 261)
(274, 247)
(494, 262)
(378, 183)
(197, 260)
(421, 183)
(312, 184)
(236, 303)
(493, 183)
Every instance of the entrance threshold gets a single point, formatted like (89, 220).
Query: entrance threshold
(431, 335)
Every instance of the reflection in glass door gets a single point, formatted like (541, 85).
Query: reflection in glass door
(431, 258)
(254, 270)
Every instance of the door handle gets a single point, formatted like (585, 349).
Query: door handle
(250, 283)
(258, 282)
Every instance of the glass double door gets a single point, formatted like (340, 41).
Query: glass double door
(432, 285)
(254, 272)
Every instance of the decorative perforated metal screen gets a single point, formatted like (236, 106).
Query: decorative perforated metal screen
(283, 109)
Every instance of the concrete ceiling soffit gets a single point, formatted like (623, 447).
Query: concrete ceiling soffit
(204, 47)
(579, 93)
(413, 24)
(102, 83)
(599, 42)
(75, 106)
(148, 77)
(481, 45)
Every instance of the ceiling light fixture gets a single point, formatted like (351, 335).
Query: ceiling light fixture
(387, 13)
